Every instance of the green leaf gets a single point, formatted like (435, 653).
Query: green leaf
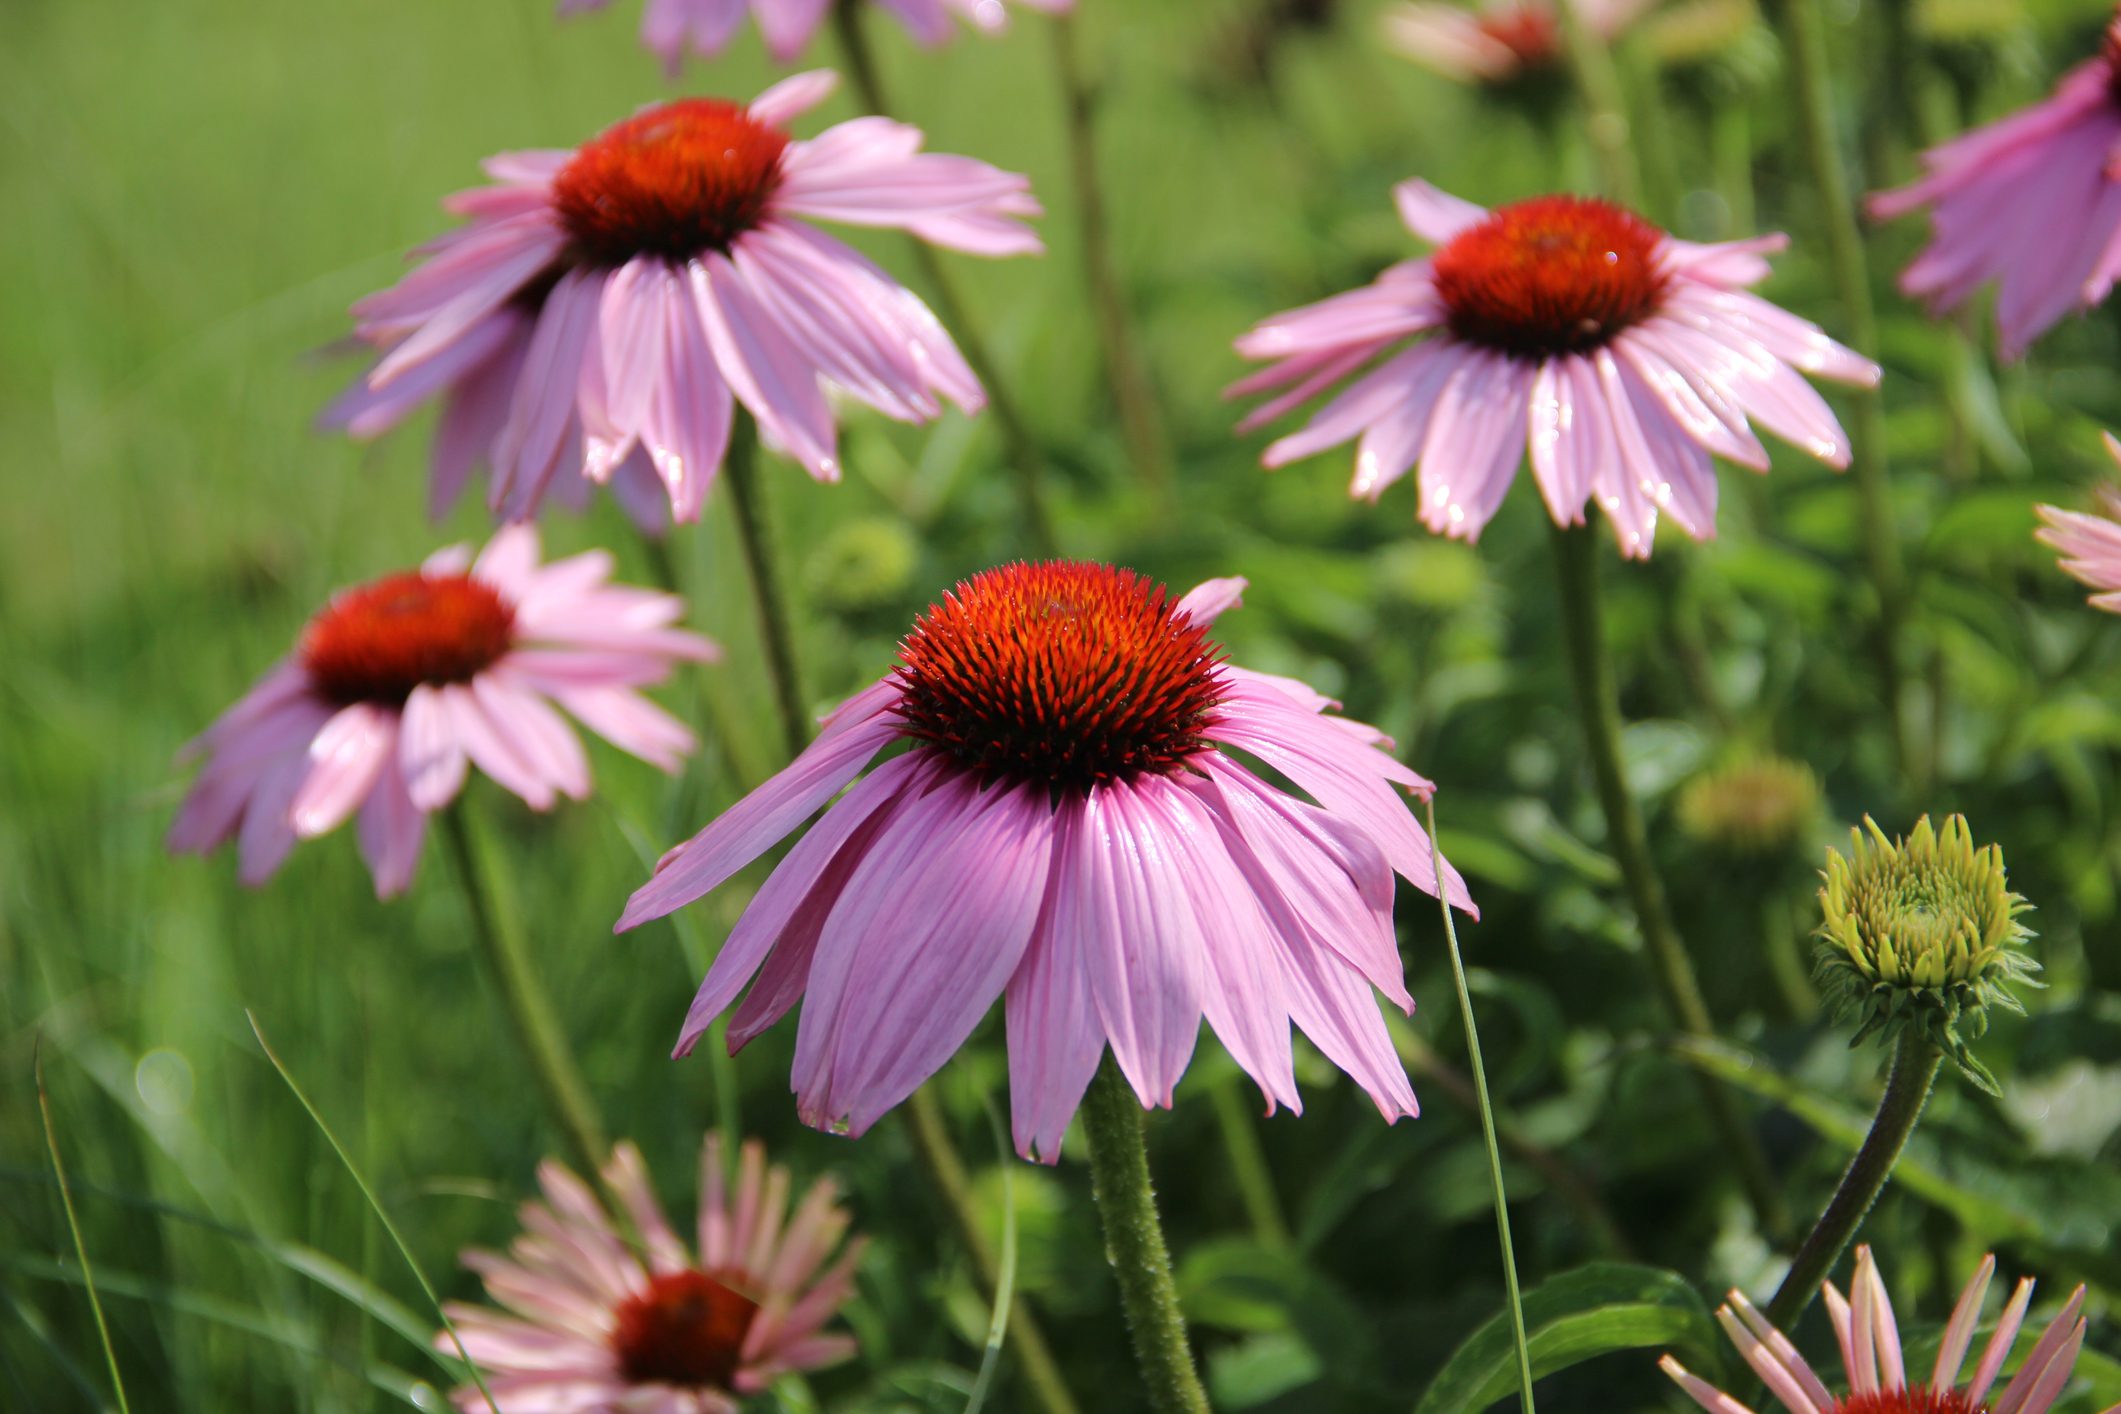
(1580, 1315)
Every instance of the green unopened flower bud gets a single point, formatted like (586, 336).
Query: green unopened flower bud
(1755, 805)
(1922, 932)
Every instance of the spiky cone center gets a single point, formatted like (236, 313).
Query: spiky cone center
(1060, 673)
(1919, 1400)
(676, 180)
(1531, 32)
(685, 1329)
(1754, 805)
(378, 642)
(1553, 275)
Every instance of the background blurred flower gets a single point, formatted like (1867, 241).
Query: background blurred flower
(2091, 544)
(671, 27)
(1627, 358)
(2029, 201)
(1499, 40)
(598, 1325)
(402, 684)
(1066, 832)
(1754, 803)
(1878, 1377)
(622, 297)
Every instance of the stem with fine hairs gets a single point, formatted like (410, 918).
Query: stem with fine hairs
(753, 535)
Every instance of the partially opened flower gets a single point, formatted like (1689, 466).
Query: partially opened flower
(2031, 202)
(1069, 831)
(615, 303)
(1622, 358)
(2091, 544)
(705, 27)
(401, 685)
(1878, 1377)
(1498, 40)
(596, 1325)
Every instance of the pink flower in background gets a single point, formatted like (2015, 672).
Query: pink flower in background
(2091, 544)
(1624, 359)
(599, 1326)
(1879, 1381)
(608, 307)
(705, 27)
(1067, 832)
(2031, 202)
(399, 686)
(1499, 40)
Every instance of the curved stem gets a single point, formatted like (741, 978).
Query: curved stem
(1487, 1121)
(1804, 31)
(1132, 393)
(530, 1011)
(742, 466)
(1598, 705)
(1021, 447)
(1907, 1090)
(1134, 1244)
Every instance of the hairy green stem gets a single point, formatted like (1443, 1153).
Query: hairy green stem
(1134, 1243)
(1022, 448)
(1487, 1121)
(499, 933)
(1907, 1090)
(1598, 705)
(756, 540)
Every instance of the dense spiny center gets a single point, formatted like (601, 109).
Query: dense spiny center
(1921, 1400)
(1061, 673)
(684, 1329)
(1529, 31)
(380, 641)
(676, 180)
(1553, 275)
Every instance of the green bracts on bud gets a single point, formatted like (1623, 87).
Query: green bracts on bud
(1922, 933)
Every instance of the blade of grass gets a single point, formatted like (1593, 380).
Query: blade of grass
(73, 1226)
(1004, 1277)
(375, 1205)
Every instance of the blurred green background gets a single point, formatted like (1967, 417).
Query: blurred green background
(192, 192)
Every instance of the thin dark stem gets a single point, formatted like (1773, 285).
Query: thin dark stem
(745, 497)
(530, 1011)
(1133, 395)
(1134, 1244)
(1907, 1090)
(1021, 447)
(1598, 705)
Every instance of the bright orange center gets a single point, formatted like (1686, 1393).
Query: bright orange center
(1529, 31)
(1061, 673)
(1920, 1400)
(380, 641)
(683, 1328)
(676, 180)
(1556, 274)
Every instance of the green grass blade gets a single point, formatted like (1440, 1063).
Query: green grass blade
(1004, 1277)
(73, 1226)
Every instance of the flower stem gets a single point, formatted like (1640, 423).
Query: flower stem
(931, 1140)
(1598, 705)
(1022, 448)
(1804, 32)
(745, 497)
(1907, 1090)
(1487, 1117)
(1248, 1165)
(1134, 1243)
(530, 1011)
(1140, 423)
(1605, 108)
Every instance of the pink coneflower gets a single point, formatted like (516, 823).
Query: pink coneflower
(2091, 544)
(1878, 1377)
(705, 27)
(1623, 357)
(2031, 202)
(1499, 40)
(619, 299)
(400, 685)
(601, 1326)
(1065, 831)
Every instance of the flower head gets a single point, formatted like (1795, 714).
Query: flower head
(597, 1325)
(1622, 358)
(1879, 1380)
(605, 309)
(705, 27)
(1922, 932)
(1068, 831)
(2041, 180)
(2091, 544)
(1755, 804)
(399, 686)
(1499, 41)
